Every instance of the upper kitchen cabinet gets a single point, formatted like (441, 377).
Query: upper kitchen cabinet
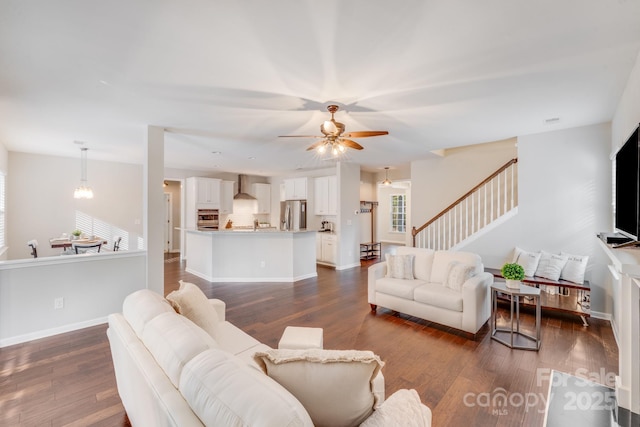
(205, 191)
(262, 192)
(295, 188)
(226, 197)
(326, 195)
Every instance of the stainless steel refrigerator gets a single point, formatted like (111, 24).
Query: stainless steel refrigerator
(293, 215)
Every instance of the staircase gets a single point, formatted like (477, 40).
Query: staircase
(481, 208)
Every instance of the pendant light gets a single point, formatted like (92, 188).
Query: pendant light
(387, 181)
(83, 191)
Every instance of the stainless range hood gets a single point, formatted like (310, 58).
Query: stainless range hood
(241, 195)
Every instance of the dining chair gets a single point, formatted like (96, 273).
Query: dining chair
(83, 248)
(116, 244)
(34, 247)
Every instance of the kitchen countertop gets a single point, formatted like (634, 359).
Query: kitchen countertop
(270, 230)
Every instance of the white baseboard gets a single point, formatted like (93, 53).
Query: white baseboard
(50, 332)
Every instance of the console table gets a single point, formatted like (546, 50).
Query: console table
(570, 298)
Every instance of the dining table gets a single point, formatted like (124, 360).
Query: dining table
(66, 242)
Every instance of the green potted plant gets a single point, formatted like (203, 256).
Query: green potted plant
(76, 234)
(513, 274)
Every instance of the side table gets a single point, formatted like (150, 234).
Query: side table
(513, 337)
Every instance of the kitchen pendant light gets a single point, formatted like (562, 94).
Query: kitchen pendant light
(83, 191)
(387, 181)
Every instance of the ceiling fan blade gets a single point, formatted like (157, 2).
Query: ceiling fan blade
(316, 145)
(300, 136)
(366, 133)
(351, 144)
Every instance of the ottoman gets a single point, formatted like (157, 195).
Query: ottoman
(297, 337)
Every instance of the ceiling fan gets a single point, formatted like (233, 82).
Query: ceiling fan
(333, 138)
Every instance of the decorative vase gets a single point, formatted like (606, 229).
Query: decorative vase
(513, 284)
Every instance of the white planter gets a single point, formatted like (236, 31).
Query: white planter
(513, 284)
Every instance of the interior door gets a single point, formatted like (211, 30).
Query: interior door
(168, 221)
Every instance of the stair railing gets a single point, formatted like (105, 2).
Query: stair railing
(490, 199)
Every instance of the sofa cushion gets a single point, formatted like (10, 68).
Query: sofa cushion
(550, 265)
(528, 260)
(441, 260)
(439, 296)
(400, 266)
(423, 259)
(174, 340)
(142, 306)
(333, 385)
(192, 303)
(398, 287)
(457, 274)
(223, 391)
(402, 408)
(575, 268)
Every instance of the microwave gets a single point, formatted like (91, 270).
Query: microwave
(207, 219)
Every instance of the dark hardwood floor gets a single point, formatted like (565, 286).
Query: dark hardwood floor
(68, 380)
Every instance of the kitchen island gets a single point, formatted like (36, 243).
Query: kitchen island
(263, 255)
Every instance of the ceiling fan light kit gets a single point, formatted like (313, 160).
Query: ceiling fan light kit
(333, 139)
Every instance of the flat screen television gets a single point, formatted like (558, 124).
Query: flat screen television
(627, 220)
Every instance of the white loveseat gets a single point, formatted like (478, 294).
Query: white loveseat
(172, 372)
(446, 287)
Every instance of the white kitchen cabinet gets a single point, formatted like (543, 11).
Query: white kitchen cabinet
(327, 248)
(262, 192)
(206, 192)
(226, 197)
(295, 188)
(326, 195)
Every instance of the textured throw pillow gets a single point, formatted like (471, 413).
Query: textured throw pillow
(334, 386)
(528, 260)
(575, 268)
(550, 265)
(402, 408)
(193, 304)
(400, 266)
(457, 274)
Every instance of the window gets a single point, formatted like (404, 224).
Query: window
(398, 213)
(2, 210)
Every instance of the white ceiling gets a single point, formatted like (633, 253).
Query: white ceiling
(231, 76)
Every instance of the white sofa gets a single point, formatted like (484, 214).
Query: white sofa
(434, 293)
(171, 372)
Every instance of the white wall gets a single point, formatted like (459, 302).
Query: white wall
(627, 113)
(4, 166)
(565, 200)
(348, 226)
(40, 203)
(92, 287)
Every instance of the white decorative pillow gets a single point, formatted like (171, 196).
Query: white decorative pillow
(550, 265)
(193, 304)
(528, 260)
(402, 408)
(224, 391)
(457, 274)
(575, 268)
(400, 266)
(334, 386)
